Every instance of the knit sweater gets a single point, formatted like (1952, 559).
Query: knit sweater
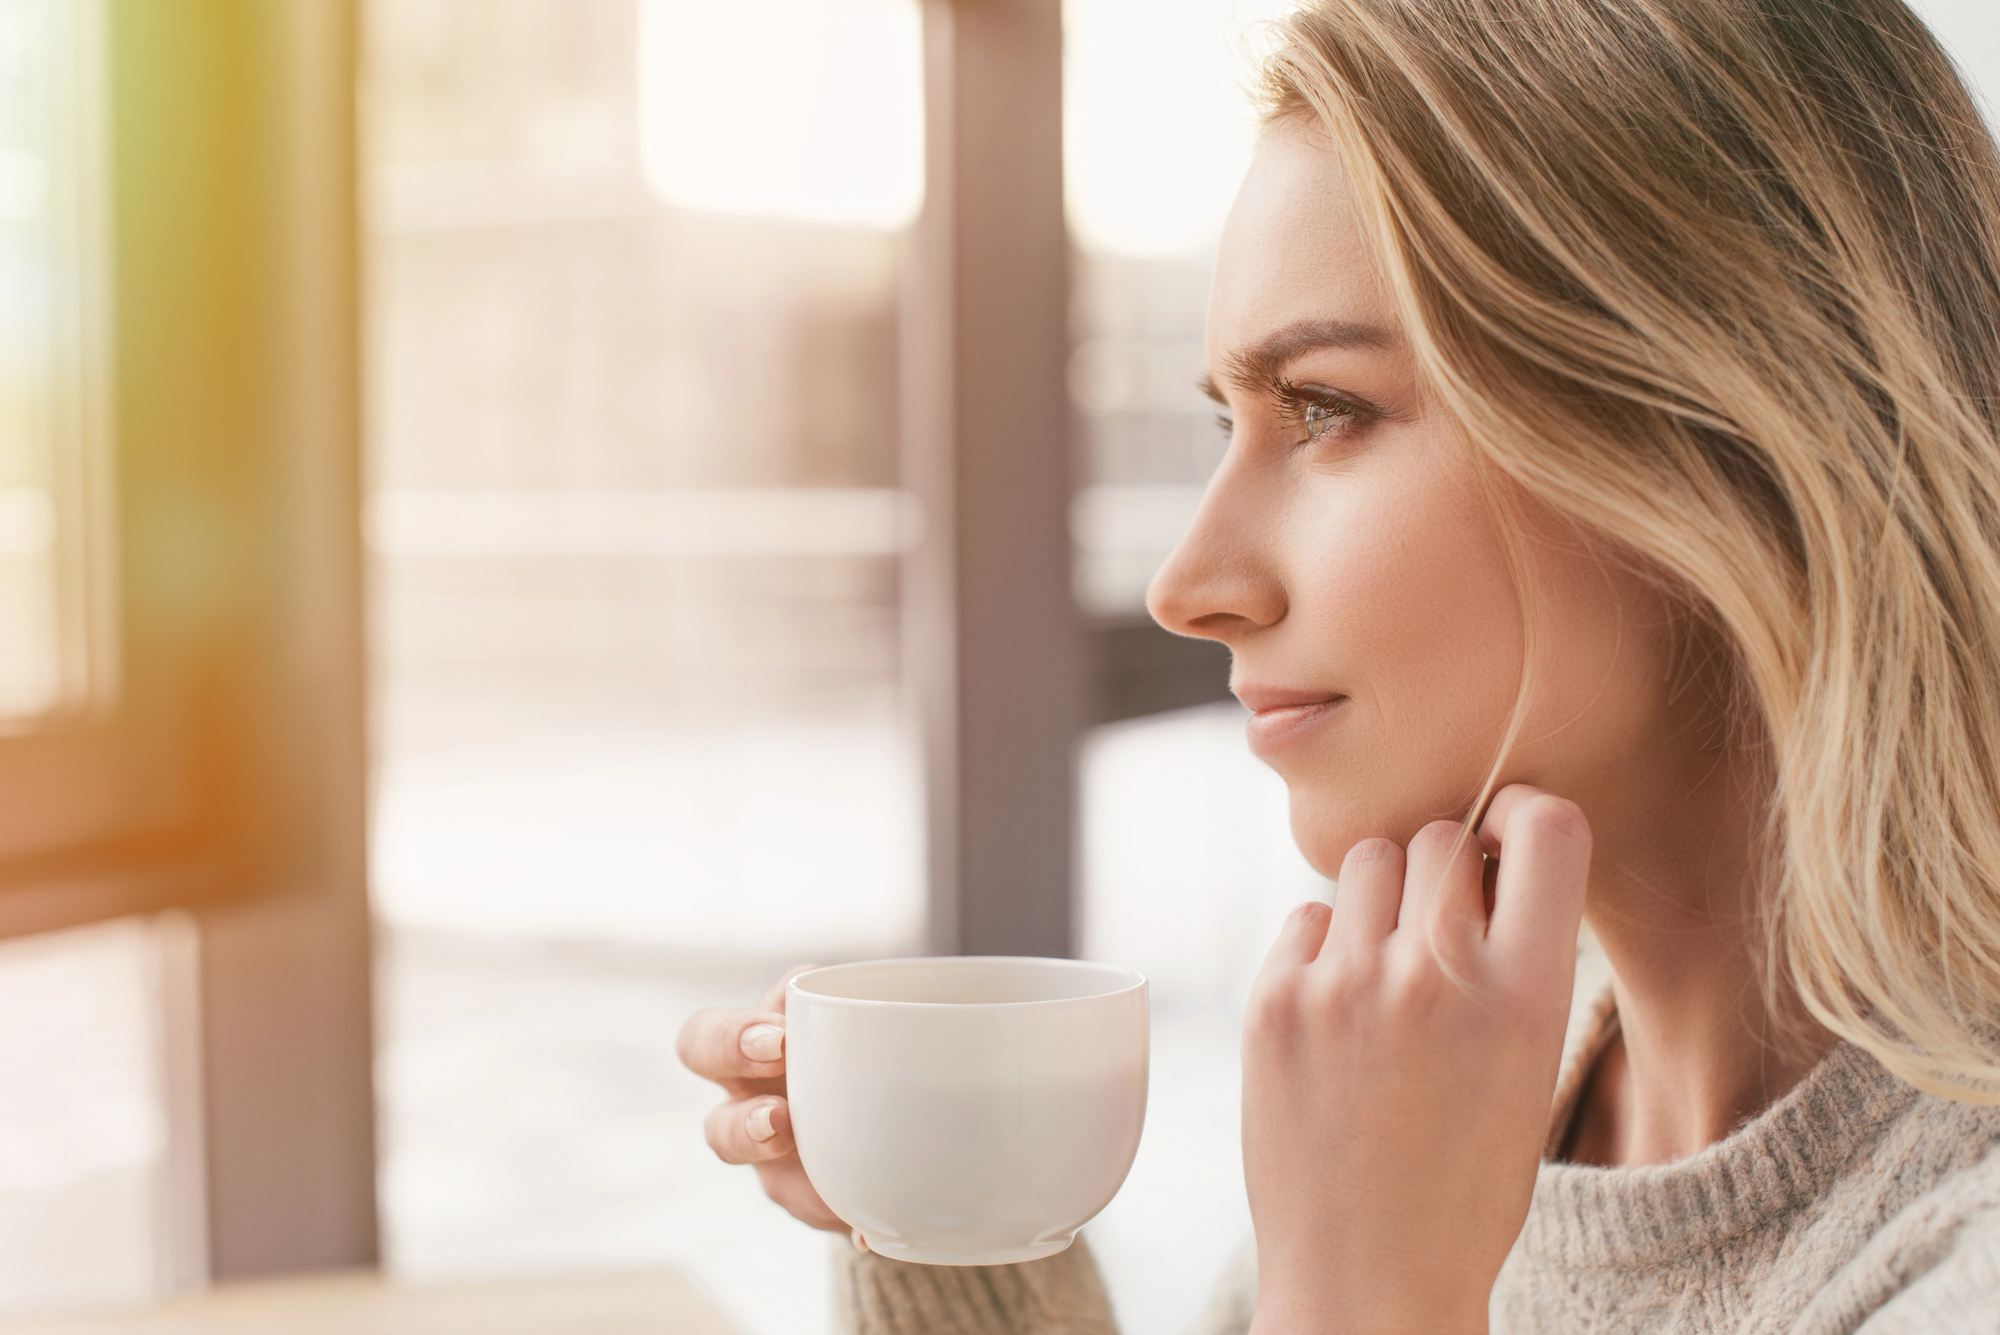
(1852, 1204)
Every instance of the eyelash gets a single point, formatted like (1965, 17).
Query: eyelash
(1318, 411)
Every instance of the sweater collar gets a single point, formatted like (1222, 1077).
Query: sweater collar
(1586, 1216)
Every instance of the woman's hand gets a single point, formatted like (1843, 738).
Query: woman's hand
(744, 1052)
(1399, 1059)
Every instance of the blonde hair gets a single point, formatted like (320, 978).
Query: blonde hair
(1721, 279)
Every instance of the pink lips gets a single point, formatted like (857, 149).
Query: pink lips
(1280, 716)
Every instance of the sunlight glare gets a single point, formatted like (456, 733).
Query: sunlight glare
(803, 109)
(1157, 123)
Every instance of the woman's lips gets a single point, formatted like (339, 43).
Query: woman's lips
(1279, 717)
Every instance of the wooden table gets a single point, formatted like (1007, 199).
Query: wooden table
(657, 1302)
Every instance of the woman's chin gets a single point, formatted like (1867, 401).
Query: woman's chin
(1325, 825)
(1325, 830)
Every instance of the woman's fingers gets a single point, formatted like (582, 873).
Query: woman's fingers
(1543, 845)
(744, 1052)
(1299, 939)
(1441, 887)
(750, 1130)
(1370, 889)
(726, 1045)
(786, 1183)
(1437, 888)
(1358, 1072)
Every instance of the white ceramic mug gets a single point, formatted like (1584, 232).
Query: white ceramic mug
(969, 1110)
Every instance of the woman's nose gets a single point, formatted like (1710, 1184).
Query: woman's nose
(1220, 583)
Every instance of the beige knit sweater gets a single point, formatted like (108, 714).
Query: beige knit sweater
(1853, 1204)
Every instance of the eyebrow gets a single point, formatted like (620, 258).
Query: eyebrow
(1257, 368)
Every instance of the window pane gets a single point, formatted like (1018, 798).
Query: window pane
(1157, 131)
(636, 527)
(84, 1117)
(829, 130)
(51, 370)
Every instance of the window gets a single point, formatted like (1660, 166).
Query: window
(636, 530)
(180, 721)
(58, 649)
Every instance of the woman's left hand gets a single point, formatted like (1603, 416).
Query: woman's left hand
(1399, 1059)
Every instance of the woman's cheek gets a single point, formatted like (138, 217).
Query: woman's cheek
(1417, 619)
(1388, 785)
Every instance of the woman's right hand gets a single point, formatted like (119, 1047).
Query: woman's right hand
(744, 1052)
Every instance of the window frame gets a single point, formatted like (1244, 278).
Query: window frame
(228, 774)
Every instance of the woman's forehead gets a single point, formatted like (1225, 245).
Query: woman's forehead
(1293, 251)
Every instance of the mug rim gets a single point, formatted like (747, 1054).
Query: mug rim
(1134, 981)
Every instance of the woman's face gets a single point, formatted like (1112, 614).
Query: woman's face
(1347, 554)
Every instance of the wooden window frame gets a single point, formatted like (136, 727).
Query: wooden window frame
(227, 774)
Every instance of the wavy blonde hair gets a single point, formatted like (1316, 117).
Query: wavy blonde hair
(1721, 279)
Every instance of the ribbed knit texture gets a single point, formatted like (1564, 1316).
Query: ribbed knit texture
(1057, 1295)
(1852, 1206)
(1853, 1203)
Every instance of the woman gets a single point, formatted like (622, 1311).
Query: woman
(1615, 391)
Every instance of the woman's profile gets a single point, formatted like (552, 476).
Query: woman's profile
(1609, 533)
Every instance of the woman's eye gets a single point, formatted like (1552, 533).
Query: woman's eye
(1225, 424)
(1325, 415)
(1319, 419)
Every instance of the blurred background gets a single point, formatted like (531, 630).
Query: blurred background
(628, 542)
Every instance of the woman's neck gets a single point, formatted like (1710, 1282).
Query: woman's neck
(1703, 1045)
(1663, 1092)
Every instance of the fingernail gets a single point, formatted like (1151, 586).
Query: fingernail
(760, 1122)
(763, 1042)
